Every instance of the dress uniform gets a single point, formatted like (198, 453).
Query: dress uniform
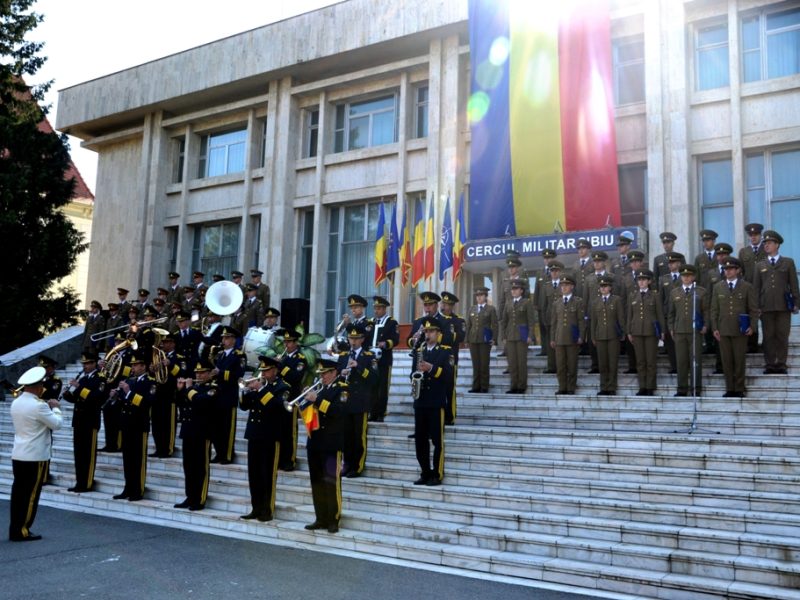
(262, 289)
(164, 413)
(513, 263)
(631, 284)
(251, 313)
(591, 290)
(229, 367)
(324, 448)
(359, 367)
(645, 327)
(187, 339)
(775, 282)
(265, 402)
(95, 323)
(482, 327)
(113, 322)
(386, 336)
(295, 372)
(552, 294)
(749, 255)
(434, 363)
(620, 266)
(34, 421)
(568, 324)
(519, 318)
(583, 266)
(688, 318)
(706, 259)
(734, 305)
(174, 289)
(709, 280)
(198, 280)
(112, 408)
(660, 263)
(544, 278)
(607, 322)
(123, 303)
(667, 283)
(136, 395)
(430, 302)
(458, 329)
(196, 403)
(87, 392)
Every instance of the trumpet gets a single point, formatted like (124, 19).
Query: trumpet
(244, 383)
(314, 387)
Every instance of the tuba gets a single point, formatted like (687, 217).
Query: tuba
(224, 298)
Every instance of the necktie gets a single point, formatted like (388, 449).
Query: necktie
(772, 260)
(710, 256)
(480, 308)
(566, 299)
(605, 299)
(674, 277)
(687, 290)
(555, 284)
(643, 293)
(730, 285)
(583, 262)
(755, 249)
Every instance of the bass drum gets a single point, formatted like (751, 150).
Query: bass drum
(256, 342)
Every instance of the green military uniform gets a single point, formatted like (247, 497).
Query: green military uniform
(505, 287)
(749, 255)
(775, 283)
(607, 322)
(583, 268)
(666, 284)
(645, 326)
(687, 316)
(706, 259)
(519, 319)
(591, 292)
(568, 324)
(544, 279)
(482, 326)
(620, 266)
(660, 263)
(733, 302)
(550, 294)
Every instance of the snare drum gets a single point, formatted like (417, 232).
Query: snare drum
(256, 342)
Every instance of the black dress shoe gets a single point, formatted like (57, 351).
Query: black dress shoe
(184, 504)
(506, 372)
(315, 525)
(251, 515)
(511, 391)
(154, 455)
(484, 391)
(226, 462)
(433, 481)
(718, 372)
(265, 517)
(473, 391)
(422, 480)
(729, 395)
(781, 371)
(549, 371)
(215, 460)
(611, 393)
(31, 537)
(411, 436)
(136, 498)
(680, 394)
(353, 474)
(642, 392)
(449, 423)
(333, 528)
(501, 354)
(603, 393)
(79, 490)
(287, 468)
(560, 392)
(631, 372)
(593, 371)
(122, 496)
(196, 507)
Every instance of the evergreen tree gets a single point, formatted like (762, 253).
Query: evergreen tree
(39, 243)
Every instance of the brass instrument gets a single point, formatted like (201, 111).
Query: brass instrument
(113, 359)
(17, 391)
(314, 387)
(378, 352)
(338, 342)
(159, 361)
(416, 376)
(109, 333)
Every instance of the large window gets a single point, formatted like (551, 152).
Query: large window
(421, 111)
(172, 248)
(222, 153)
(365, 124)
(179, 150)
(216, 248)
(311, 139)
(773, 189)
(306, 252)
(633, 195)
(716, 197)
(628, 63)
(771, 44)
(711, 56)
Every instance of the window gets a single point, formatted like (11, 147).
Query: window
(421, 111)
(628, 64)
(773, 188)
(255, 223)
(716, 197)
(172, 248)
(306, 251)
(312, 133)
(771, 44)
(216, 248)
(222, 153)
(262, 142)
(180, 158)
(365, 124)
(633, 195)
(711, 56)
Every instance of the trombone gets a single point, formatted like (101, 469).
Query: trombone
(314, 387)
(109, 333)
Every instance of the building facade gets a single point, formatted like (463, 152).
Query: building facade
(275, 147)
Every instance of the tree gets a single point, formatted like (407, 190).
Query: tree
(39, 243)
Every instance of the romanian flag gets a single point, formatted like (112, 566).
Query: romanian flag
(380, 248)
(541, 110)
(429, 242)
(310, 418)
(418, 258)
(393, 254)
(459, 240)
(405, 250)
(446, 245)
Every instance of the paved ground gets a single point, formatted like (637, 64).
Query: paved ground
(86, 556)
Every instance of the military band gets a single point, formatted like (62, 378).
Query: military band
(385, 336)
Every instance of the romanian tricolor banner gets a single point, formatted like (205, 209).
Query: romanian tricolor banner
(418, 257)
(541, 110)
(380, 248)
(405, 250)
(429, 243)
(459, 240)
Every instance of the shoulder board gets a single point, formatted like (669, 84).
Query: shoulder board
(444, 346)
(238, 352)
(342, 384)
(368, 353)
(301, 355)
(56, 378)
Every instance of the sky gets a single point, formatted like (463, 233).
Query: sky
(85, 39)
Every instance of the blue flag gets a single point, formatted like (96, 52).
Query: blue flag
(446, 247)
(393, 254)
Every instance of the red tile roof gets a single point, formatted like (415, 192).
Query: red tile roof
(82, 190)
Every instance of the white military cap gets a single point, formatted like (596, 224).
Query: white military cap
(32, 376)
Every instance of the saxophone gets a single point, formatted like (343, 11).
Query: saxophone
(416, 376)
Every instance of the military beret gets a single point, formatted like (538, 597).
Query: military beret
(380, 301)
(624, 240)
(584, 243)
(644, 274)
(723, 248)
(429, 297)
(635, 255)
(754, 228)
(449, 298)
(773, 236)
(668, 236)
(708, 234)
(549, 253)
(599, 255)
(272, 312)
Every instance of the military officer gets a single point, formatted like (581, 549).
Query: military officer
(750, 254)
(229, 367)
(583, 265)
(324, 448)
(124, 305)
(775, 283)
(295, 372)
(551, 294)
(481, 334)
(386, 336)
(544, 279)
(607, 321)
(513, 263)
(519, 318)
(174, 288)
(430, 308)
(630, 284)
(187, 339)
(734, 306)
(688, 318)
(709, 279)
(217, 277)
(251, 313)
(264, 398)
(590, 291)
(359, 368)
(262, 289)
(271, 319)
(136, 394)
(458, 328)
(645, 327)
(196, 398)
(705, 259)
(198, 280)
(112, 408)
(95, 323)
(568, 326)
(143, 298)
(667, 283)
(87, 392)
(236, 277)
(434, 362)
(620, 266)
(114, 320)
(164, 411)
(660, 263)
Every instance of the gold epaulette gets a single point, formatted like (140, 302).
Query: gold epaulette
(445, 347)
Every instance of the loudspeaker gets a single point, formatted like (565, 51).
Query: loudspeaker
(295, 311)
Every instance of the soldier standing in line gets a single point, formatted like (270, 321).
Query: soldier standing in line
(236, 277)
(198, 280)
(551, 294)
(124, 305)
(544, 279)
(630, 284)
(262, 289)
(293, 371)
(196, 399)
(385, 336)
(271, 315)
(112, 408)
(607, 320)
(709, 279)
(113, 321)
(705, 259)
(620, 266)
(734, 306)
(143, 299)
(519, 318)
(645, 327)
(264, 399)
(481, 334)
(688, 318)
(229, 367)
(174, 288)
(583, 264)
(513, 263)
(775, 283)
(95, 323)
(669, 282)
(164, 411)
(591, 290)
(458, 327)
(749, 255)
(568, 327)
(660, 263)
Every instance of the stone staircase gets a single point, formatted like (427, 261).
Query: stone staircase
(606, 494)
